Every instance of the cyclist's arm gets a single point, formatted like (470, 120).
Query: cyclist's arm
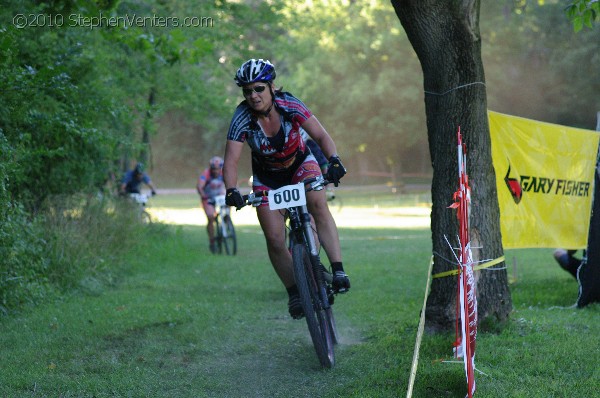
(233, 152)
(123, 186)
(152, 187)
(317, 132)
(150, 184)
(200, 187)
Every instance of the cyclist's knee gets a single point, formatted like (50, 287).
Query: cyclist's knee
(276, 241)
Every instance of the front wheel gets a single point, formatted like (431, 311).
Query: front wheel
(218, 236)
(319, 324)
(145, 217)
(228, 236)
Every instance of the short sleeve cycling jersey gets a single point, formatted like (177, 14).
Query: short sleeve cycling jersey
(132, 185)
(278, 153)
(213, 186)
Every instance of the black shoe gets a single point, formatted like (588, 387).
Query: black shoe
(213, 248)
(341, 282)
(295, 307)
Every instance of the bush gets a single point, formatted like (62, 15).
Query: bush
(22, 263)
(23, 266)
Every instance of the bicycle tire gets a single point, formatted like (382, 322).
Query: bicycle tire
(218, 236)
(327, 291)
(332, 328)
(228, 236)
(145, 217)
(316, 316)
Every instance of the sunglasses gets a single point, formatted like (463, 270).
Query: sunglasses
(256, 89)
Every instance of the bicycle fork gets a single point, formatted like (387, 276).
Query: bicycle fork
(223, 215)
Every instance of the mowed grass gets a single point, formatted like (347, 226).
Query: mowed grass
(185, 323)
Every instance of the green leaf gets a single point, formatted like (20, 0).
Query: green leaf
(587, 18)
(571, 11)
(577, 23)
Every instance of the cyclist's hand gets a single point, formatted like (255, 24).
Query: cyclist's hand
(336, 170)
(233, 197)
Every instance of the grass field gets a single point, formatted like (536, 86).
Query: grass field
(184, 323)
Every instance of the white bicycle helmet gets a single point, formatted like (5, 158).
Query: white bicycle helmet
(216, 162)
(255, 70)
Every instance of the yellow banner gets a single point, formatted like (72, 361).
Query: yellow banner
(545, 181)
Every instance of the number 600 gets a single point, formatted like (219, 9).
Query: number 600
(287, 196)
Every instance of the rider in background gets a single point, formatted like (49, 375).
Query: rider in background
(270, 120)
(210, 184)
(317, 152)
(133, 179)
(567, 260)
(321, 160)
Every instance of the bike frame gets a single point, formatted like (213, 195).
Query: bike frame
(222, 212)
(141, 200)
(223, 224)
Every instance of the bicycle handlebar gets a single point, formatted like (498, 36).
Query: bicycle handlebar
(255, 198)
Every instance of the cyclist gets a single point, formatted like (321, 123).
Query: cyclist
(133, 179)
(270, 121)
(210, 184)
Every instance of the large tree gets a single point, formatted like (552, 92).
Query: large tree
(445, 36)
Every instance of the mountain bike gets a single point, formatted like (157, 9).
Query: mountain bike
(225, 237)
(312, 279)
(142, 199)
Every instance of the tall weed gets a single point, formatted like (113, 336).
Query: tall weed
(74, 243)
(86, 235)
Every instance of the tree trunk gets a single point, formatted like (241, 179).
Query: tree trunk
(145, 151)
(445, 36)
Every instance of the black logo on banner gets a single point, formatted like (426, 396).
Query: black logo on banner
(544, 185)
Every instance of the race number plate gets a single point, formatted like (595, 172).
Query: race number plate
(286, 197)
(220, 200)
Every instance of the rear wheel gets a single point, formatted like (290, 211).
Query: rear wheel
(316, 315)
(228, 236)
